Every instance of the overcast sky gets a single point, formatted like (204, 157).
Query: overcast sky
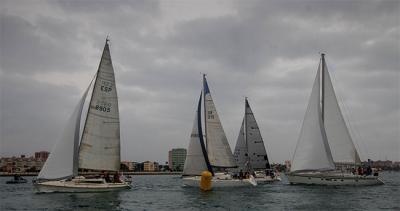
(265, 50)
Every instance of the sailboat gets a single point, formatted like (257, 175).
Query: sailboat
(250, 154)
(210, 152)
(97, 149)
(325, 141)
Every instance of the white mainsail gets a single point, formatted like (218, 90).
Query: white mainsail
(312, 151)
(340, 142)
(240, 153)
(218, 149)
(62, 162)
(100, 144)
(195, 162)
(255, 144)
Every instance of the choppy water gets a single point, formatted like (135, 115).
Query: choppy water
(166, 193)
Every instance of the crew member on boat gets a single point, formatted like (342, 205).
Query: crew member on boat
(117, 177)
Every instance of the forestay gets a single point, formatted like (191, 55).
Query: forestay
(340, 142)
(218, 149)
(100, 145)
(312, 151)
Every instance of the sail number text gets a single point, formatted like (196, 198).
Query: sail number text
(106, 86)
(103, 109)
(103, 106)
(210, 115)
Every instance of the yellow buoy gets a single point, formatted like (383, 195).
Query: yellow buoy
(205, 181)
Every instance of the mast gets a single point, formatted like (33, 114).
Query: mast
(205, 112)
(245, 133)
(323, 85)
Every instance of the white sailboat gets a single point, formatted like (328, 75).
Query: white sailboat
(212, 154)
(98, 148)
(250, 154)
(325, 139)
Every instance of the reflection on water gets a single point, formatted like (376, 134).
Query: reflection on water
(71, 201)
(167, 193)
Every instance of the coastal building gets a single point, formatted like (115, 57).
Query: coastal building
(385, 165)
(128, 166)
(176, 159)
(42, 155)
(23, 164)
(150, 166)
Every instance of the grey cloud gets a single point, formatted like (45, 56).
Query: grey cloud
(158, 75)
(32, 113)
(26, 49)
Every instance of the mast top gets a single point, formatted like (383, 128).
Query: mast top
(322, 55)
(246, 102)
(205, 85)
(107, 39)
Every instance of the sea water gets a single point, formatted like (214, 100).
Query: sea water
(167, 193)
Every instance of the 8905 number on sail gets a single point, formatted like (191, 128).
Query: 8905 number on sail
(103, 108)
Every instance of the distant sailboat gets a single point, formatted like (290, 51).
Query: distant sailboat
(250, 154)
(97, 149)
(325, 139)
(210, 152)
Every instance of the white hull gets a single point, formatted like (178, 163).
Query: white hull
(216, 183)
(267, 179)
(262, 178)
(77, 186)
(333, 179)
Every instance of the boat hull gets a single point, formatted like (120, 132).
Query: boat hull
(65, 186)
(267, 179)
(333, 179)
(216, 183)
(262, 178)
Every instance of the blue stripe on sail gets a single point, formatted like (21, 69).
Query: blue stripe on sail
(205, 84)
(203, 147)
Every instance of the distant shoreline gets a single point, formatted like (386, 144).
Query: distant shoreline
(6, 174)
